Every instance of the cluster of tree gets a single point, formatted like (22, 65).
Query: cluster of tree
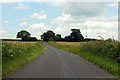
(26, 36)
(75, 36)
(89, 39)
(50, 36)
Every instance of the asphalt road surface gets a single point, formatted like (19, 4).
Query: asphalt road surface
(55, 63)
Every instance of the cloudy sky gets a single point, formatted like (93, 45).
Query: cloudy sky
(100, 18)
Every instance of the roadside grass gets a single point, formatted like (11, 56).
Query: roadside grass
(79, 48)
(17, 53)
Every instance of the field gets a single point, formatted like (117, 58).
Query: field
(69, 43)
(17, 53)
(105, 54)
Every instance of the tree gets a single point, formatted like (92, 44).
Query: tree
(75, 36)
(23, 34)
(68, 38)
(58, 37)
(48, 36)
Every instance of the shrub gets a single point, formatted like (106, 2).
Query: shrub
(107, 48)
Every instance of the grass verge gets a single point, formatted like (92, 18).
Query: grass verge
(16, 53)
(104, 62)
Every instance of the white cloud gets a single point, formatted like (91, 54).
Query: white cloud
(23, 23)
(22, 6)
(3, 33)
(39, 26)
(37, 29)
(38, 16)
(84, 9)
(99, 32)
(100, 25)
(58, 30)
(57, 2)
(101, 22)
(62, 19)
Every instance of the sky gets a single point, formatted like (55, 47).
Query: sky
(100, 18)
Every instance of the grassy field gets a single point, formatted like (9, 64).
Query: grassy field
(17, 53)
(103, 54)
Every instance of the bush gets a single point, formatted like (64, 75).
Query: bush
(11, 50)
(107, 48)
(17, 53)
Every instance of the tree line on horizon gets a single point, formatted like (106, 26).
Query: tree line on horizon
(75, 36)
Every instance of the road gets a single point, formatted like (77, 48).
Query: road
(55, 63)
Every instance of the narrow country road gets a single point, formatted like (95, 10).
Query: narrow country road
(55, 63)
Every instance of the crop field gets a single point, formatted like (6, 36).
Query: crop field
(105, 54)
(69, 43)
(17, 53)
